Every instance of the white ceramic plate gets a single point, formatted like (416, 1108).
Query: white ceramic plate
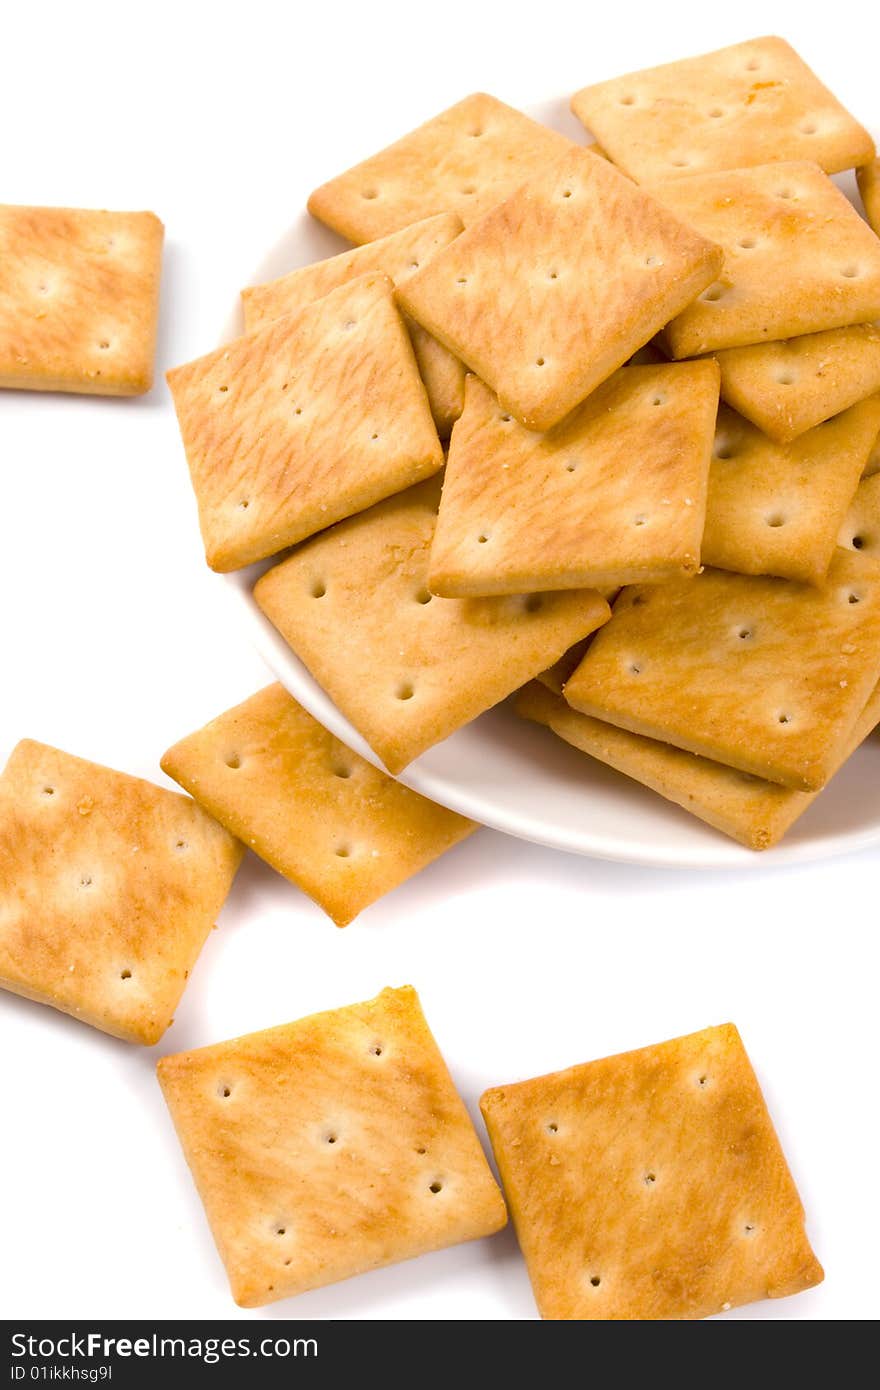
(520, 778)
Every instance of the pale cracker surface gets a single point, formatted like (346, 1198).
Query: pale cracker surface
(798, 258)
(405, 667)
(868, 178)
(324, 817)
(777, 508)
(751, 103)
(316, 416)
(328, 1147)
(556, 287)
(613, 495)
(110, 887)
(398, 256)
(762, 674)
(650, 1185)
(79, 299)
(748, 809)
(788, 387)
(465, 161)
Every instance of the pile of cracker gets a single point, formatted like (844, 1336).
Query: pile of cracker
(568, 317)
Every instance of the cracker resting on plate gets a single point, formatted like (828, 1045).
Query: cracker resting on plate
(405, 667)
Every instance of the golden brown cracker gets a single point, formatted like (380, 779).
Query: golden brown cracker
(762, 674)
(748, 809)
(613, 495)
(777, 508)
(559, 285)
(751, 103)
(650, 1185)
(79, 299)
(316, 416)
(328, 1147)
(110, 887)
(398, 256)
(797, 257)
(788, 387)
(465, 161)
(324, 817)
(405, 667)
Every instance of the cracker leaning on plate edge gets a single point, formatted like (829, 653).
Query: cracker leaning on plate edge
(342, 830)
(762, 674)
(405, 667)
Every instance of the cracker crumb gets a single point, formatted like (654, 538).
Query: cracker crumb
(85, 806)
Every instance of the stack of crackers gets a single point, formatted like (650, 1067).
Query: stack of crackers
(651, 374)
(655, 370)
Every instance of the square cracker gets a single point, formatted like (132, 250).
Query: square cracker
(110, 887)
(324, 817)
(650, 1185)
(752, 103)
(797, 257)
(614, 494)
(777, 508)
(748, 809)
(762, 674)
(406, 668)
(308, 420)
(329, 1146)
(465, 160)
(788, 387)
(398, 256)
(555, 288)
(868, 178)
(79, 299)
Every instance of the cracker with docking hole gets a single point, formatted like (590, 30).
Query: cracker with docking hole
(613, 495)
(308, 420)
(748, 809)
(751, 103)
(861, 526)
(650, 1185)
(405, 667)
(328, 1147)
(555, 288)
(798, 258)
(110, 888)
(79, 299)
(789, 387)
(761, 674)
(398, 256)
(868, 178)
(325, 818)
(777, 508)
(466, 160)
(555, 676)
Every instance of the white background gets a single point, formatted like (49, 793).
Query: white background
(116, 640)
